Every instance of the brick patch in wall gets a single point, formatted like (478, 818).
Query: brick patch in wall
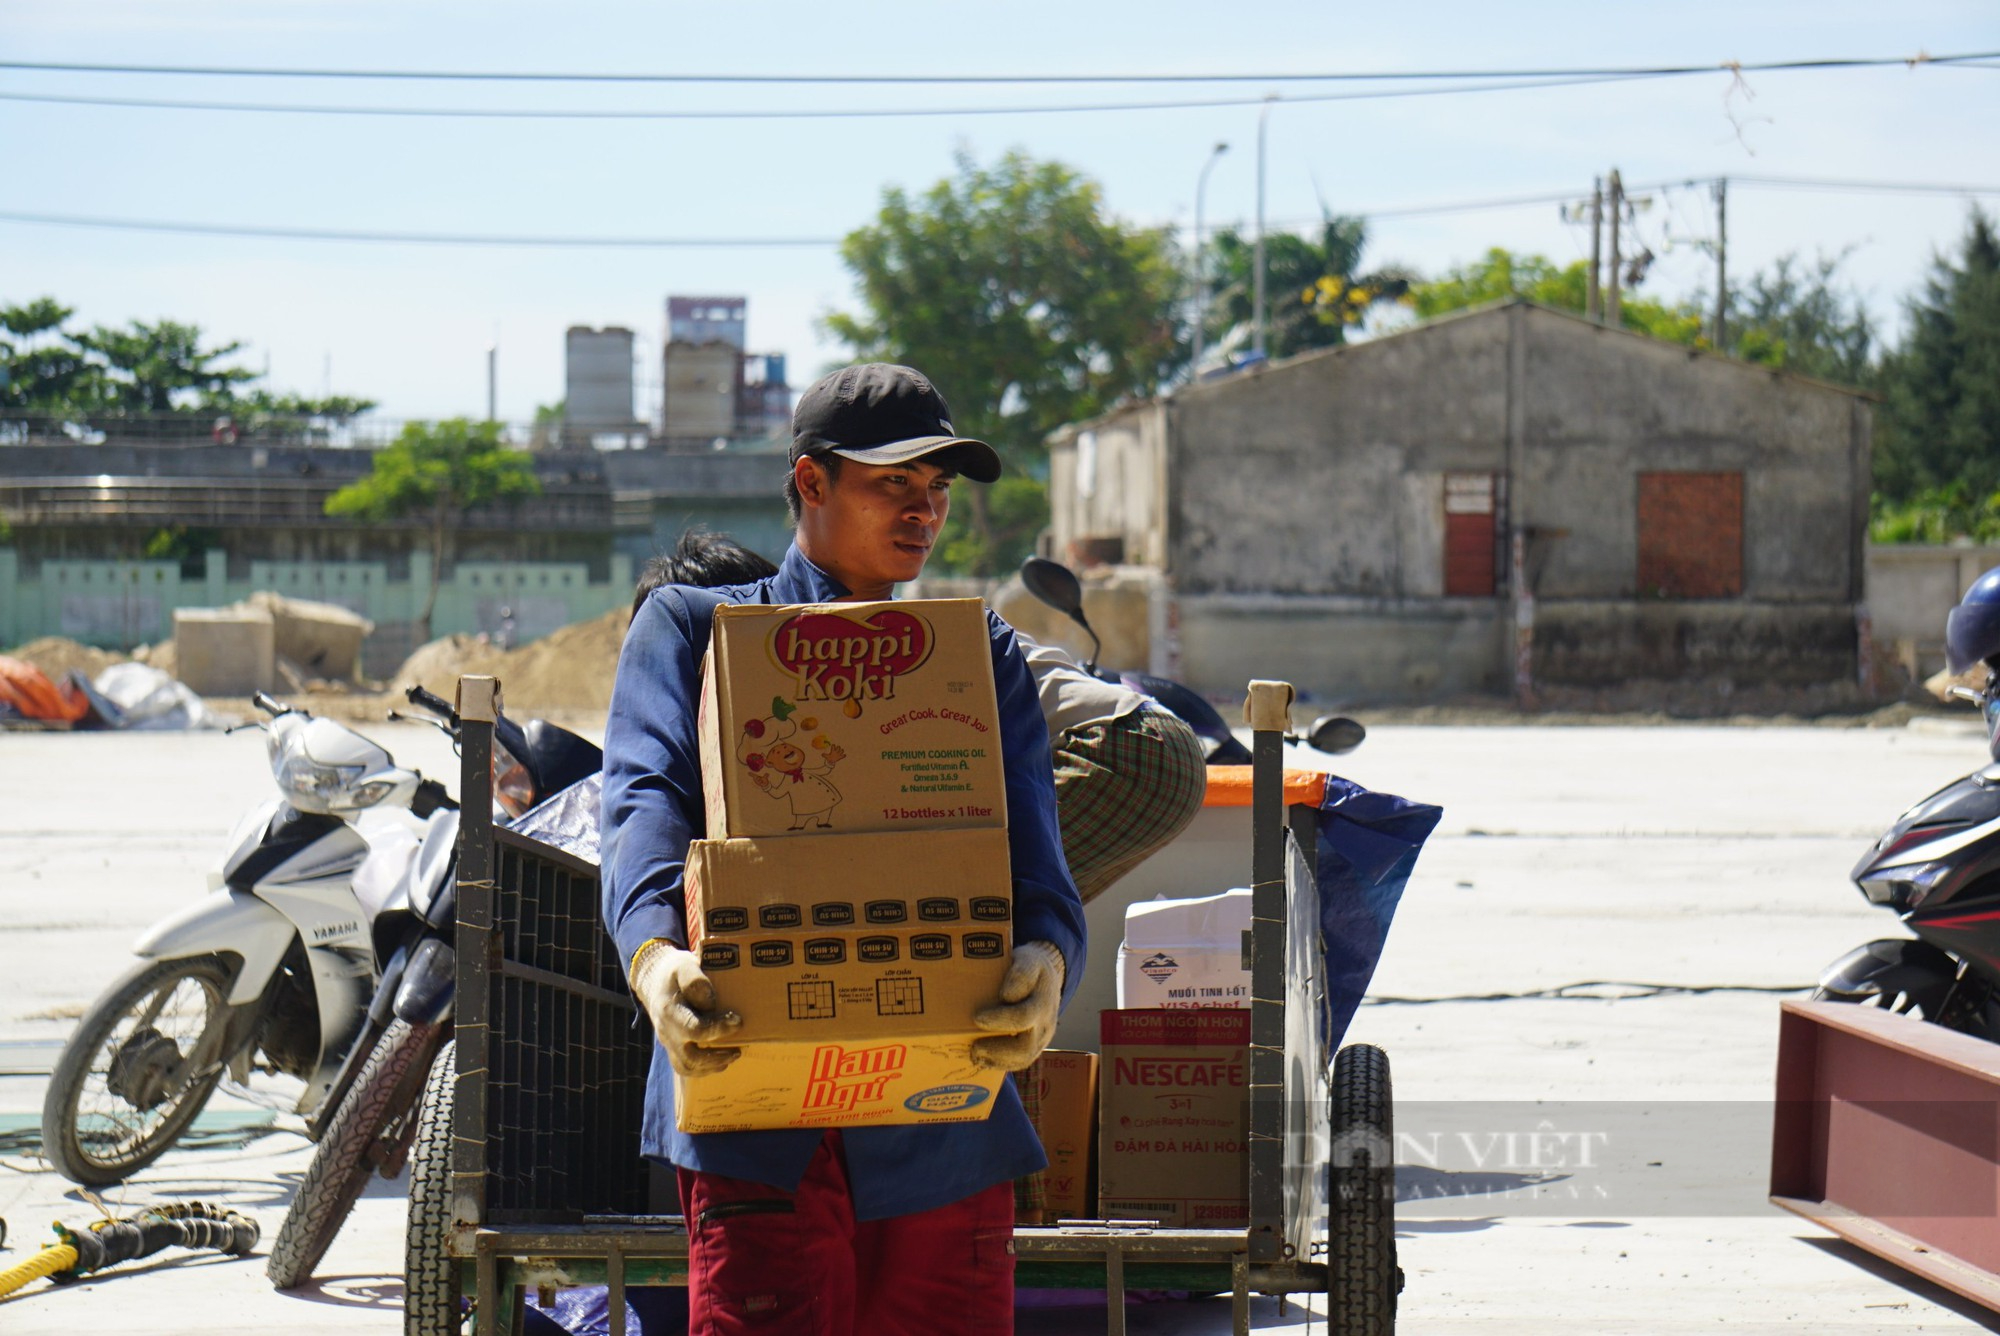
(1690, 535)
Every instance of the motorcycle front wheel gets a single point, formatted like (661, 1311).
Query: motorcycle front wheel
(1974, 1011)
(122, 1092)
(370, 1130)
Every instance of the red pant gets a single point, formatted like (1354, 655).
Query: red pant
(761, 1259)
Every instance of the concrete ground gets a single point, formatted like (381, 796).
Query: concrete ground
(1686, 855)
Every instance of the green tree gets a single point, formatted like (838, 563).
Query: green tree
(1798, 317)
(1940, 418)
(548, 426)
(160, 371)
(1936, 515)
(1314, 289)
(1029, 304)
(438, 471)
(162, 368)
(1500, 275)
(42, 367)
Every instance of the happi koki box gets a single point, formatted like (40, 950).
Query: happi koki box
(850, 717)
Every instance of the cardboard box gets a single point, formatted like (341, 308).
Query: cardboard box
(1173, 1144)
(849, 718)
(950, 881)
(856, 963)
(1064, 1086)
(1186, 953)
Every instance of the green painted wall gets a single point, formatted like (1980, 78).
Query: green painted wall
(123, 604)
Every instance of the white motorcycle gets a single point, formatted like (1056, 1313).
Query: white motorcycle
(273, 969)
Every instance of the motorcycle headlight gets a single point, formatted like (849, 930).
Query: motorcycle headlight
(311, 786)
(1904, 888)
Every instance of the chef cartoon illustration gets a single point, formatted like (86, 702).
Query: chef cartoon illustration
(788, 772)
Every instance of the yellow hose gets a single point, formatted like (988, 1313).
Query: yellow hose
(51, 1259)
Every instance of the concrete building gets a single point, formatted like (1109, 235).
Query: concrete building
(708, 320)
(703, 383)
(1504, 499)
(716, 390)
(597, 385)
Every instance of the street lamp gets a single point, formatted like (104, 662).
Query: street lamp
(1264, 115)
(1200, 268)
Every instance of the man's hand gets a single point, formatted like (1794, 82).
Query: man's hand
(680, 1000)
(1025, 1020)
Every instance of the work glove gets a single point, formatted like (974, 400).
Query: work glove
(1030, 1000)
(680, 1000)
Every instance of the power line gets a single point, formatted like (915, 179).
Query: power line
(721, 243)
(417, 238)
(1863, 187)
(798, 114)
(538, 76)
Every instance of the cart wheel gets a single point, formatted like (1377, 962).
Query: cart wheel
(431, 1304)
(1362, 1276)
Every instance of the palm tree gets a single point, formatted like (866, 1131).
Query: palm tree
(1314, 285)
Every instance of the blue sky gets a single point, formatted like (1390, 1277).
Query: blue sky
(409, 324)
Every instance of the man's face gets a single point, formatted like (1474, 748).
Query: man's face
(875, 526)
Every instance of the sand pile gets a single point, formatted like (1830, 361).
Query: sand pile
(570, 670)
(55, 656)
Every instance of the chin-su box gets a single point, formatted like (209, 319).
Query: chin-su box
(842, 718)
(1059, 1090)
(856, 964)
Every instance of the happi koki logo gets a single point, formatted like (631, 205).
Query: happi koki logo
(843, 1078)
(836, 658)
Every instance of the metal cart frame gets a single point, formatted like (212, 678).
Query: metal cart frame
(547, 1188)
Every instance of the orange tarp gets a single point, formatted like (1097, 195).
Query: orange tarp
(1229, 786)
(28, 689)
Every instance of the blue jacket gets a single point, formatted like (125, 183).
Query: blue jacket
(653, 808)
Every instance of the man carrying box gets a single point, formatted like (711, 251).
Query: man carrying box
(874, 1229)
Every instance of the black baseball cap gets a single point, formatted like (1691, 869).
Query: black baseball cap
(879, 413)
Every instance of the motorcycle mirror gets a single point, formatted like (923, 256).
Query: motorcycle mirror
(1056, 585)
(1335, 734)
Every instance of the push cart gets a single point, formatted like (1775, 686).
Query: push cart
(527, 1171)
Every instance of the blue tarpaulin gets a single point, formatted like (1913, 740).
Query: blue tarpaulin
(1368, 847)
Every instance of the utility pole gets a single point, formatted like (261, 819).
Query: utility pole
(1611, 291)
(1257, 343)
(492, 367)
(1200, 257)
(1593, 295)
(1721, 263)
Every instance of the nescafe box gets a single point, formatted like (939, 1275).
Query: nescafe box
(1174, 1117)
(843, 718)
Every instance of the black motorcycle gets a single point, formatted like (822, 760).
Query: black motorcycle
(1938, 869)
(370, 1115)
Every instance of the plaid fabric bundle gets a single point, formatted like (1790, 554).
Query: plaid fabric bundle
(1123, 789)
